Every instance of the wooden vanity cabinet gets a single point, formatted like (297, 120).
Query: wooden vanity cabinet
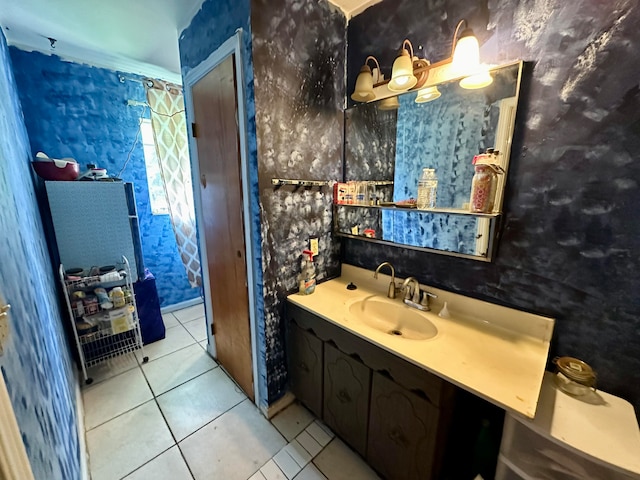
(401, 443)
(346, 397)
(306, 368)
(395, 414)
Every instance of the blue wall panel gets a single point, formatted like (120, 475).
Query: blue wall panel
(78, 111)
(36, 364)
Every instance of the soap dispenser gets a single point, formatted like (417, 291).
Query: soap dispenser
(307, 279)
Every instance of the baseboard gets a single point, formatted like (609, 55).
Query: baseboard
(82, 439)
(279, 405)
(181, 305)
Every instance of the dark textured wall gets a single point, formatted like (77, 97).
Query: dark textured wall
(36, 364)
(299, 58)
(571, 239)
(77, 111)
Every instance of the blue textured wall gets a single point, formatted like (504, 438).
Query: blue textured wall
(570, 237)
(77, 111)
(36, 363)
(216, 22)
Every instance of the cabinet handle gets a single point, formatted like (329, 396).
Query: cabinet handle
(396, 436)
(303, 367)
(344, 397)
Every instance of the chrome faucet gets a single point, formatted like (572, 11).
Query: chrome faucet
(416, 298)
(391, 292)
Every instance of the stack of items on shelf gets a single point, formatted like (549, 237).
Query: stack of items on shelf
(355, 193)
(100, 311)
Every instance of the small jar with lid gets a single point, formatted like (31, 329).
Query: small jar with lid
(574, 376)
(483, 189)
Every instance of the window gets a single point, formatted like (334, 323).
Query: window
(157, 196)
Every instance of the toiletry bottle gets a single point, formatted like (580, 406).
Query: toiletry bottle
(116, 295)
(307, 283)
(427, 189)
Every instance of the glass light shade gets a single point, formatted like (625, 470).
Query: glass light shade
(428, 94)
(479, 80)
(402, 77)
(364, 86)
(390, 103)
(466, 56)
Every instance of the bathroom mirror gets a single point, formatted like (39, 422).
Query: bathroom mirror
(391, 147)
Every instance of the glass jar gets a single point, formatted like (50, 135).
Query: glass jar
(483, 189)
(427, 189)
(574, 376)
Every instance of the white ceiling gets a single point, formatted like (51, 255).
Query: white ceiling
(137, 36)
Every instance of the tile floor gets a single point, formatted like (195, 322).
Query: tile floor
(180, 417)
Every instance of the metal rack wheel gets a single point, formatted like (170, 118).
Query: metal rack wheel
(145, 359)
(88, 381)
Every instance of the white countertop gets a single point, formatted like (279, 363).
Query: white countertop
(495, 352)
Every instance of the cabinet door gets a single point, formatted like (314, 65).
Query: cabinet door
(402, 432)
(305, 368)
(346, 397)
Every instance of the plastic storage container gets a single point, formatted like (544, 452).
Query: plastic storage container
(427, 189)
(594, 437)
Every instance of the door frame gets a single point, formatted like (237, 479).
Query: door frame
(14, 462)
(232, 46)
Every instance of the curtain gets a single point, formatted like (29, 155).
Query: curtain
(170, 133)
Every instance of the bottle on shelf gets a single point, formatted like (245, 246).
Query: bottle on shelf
(427, 189)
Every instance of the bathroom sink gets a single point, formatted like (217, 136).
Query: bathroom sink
(394, 319)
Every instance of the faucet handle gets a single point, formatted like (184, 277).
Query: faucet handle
(425, 297)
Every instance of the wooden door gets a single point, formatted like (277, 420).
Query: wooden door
(218, 145)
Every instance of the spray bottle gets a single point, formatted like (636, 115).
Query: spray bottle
(307, 279)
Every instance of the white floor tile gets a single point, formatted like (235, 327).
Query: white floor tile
(319, 434)
(168, 466)
(287, 464)
(299, 454)
(169, 320)
(309, 443)
(112, 397)
(270, 471)
(118, 447)
(176, 338)
(176, 368)
(292, 420)
(112, 367)
(197, 402)
(310, 472)
(233, 446)
(197, 328)
(257, 476)
(339, 462)
(204, 344)
(189, 313)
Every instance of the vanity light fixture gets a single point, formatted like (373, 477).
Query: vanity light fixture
(364, 83)
(478, 80)
(410, 72)
(402, 77)
(389, 103)
(427, 94)
(466, 51)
